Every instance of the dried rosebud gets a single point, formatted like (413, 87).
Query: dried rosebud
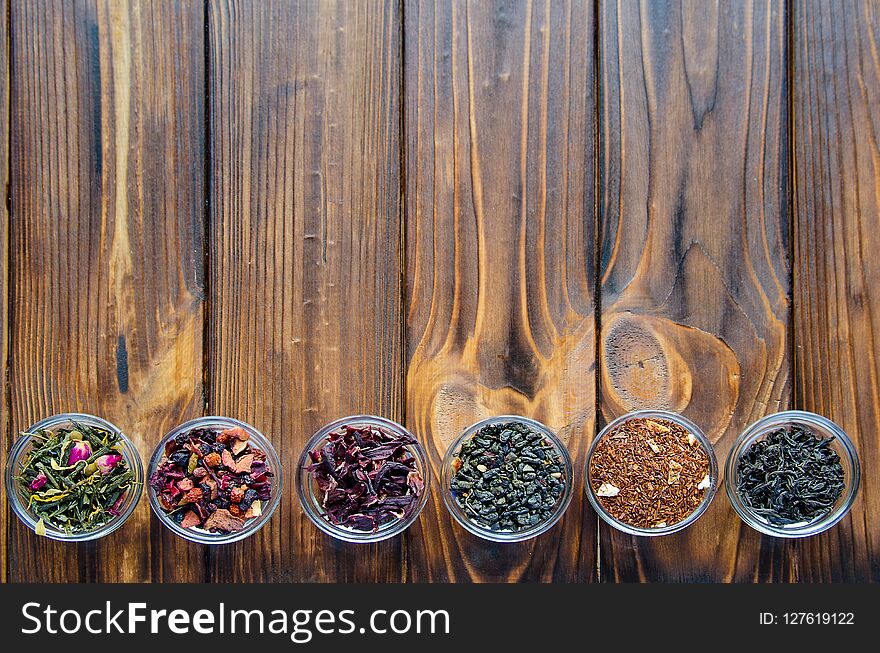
(212, 459)
(79, 451)
(114, 509)
(108, 462)
(38, 482)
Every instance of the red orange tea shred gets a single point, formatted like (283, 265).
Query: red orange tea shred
(649, 473)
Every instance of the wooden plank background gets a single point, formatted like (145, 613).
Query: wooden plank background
(287, 212)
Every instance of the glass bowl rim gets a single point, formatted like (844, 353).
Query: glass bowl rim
(203, 537)
(682, 421)
(132, 457)
(302, 477)
(505, 536)
(760, 428)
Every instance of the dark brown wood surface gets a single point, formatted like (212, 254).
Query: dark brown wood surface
(500, 255)
(836, 112)
(287, 212)
(5, 515)
(694, 268)
(105, 265)
(305, 259)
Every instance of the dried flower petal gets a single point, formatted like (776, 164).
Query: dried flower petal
(367, 476)
(607, 490)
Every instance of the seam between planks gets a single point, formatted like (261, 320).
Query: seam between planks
(402, 254)
(598, 205)
(207, 149)
(7, 387)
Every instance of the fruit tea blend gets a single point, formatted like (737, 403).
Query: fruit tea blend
(649, 473)
(212, 479)
(791, 476)
(75, 479)
(508, 477)
(367, 476)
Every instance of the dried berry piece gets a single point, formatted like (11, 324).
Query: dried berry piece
(202, 482)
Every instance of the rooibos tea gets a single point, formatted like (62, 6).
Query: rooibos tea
(649, 473)
(508, 477)
(791, 476)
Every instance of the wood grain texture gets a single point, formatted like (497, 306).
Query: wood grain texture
(5, 512)
(107, 241)
(694, 268)
(499, 109)
(305, 261)
(836, 112)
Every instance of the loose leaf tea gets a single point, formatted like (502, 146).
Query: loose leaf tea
(367, 476)
(75, 479)
(791, 476)
(508, 477)
(212, 479)
(649, 473)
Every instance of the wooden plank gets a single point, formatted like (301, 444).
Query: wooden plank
(695, 288)
(305, 259)
(500, 161)
(5, 512)
(836, 95)
(107, 241)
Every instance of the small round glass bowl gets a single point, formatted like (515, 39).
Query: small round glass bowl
(310, 494)
(691, 518)
(68, 420)
(505, 536)
(259, 441)
(819, 426)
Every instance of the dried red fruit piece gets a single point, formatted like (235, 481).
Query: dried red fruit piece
(203, 484)
(213, 459)
(223, 520)
(236, 495)
(190, 519)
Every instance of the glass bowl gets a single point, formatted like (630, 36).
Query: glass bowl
(310, 494)
(691, 518)
(820, 426)
(251, 526)
(24, 444)
(505, 536)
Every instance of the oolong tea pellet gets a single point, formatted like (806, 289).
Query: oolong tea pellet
(508, 477)
(790, 477)
(649, 473)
